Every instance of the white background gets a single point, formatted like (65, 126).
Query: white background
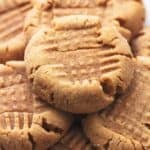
(147, 6)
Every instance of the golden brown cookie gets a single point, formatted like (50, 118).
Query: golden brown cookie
(77, 65)
(141, 43)
(12, 39)
(124, 12)
(125, 125)
(26, 123)
(74, 139)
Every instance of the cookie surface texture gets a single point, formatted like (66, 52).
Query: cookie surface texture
(26, 123)
(12, 39)
(125, 124)
(77, 65)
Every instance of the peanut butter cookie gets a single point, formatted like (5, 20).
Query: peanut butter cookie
(125, 125)
(26, 123)
(77, 65)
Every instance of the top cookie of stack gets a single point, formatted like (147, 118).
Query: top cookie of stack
(77, 65)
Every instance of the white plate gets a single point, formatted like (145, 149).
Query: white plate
(147, 6)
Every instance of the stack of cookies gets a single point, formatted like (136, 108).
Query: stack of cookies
(74, 75)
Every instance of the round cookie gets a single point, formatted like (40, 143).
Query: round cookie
(141, 43)
(74, 139)
(77, 65)
(121, 13)
(26, 123)
(125, 124)
(12, 38)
